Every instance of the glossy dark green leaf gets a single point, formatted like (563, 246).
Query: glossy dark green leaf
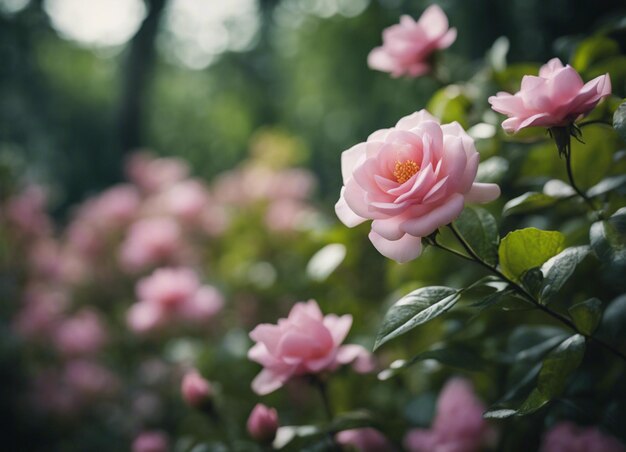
(528, 248)
(606, 185)
(558, 269)
(453, 355)
(533, 280)
(619, 120)
(528, 202)
(414, 309)
(586, 315)
(559, 364)
(608, 239)
(480, 229)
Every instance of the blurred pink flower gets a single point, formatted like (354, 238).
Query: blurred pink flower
(568, 437)
(153, 174)
(185, 200)
(172, 295)
(27, 211)
(262, 423)
(41, 312)
(150, 242)
(411, 180)
(81, 334)
(287, 215)
(407, 46)
(45, 259)
(151, 441)
(306, 342)
(458, 425)
(196, 390)
(364, 440)
(90, 379)
(556, 98)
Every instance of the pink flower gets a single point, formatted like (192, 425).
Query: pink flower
(568, 437)
(458, 426)
(81, 334)
(41, 312)
(364, 440)
(27, 211)
(411, 180)
(262, 423)
(172, 295)
(196, 390)
(186, 201)
(306, 342)
(153, 174)
(151, 241)
(151, 441)
(90, 379)
(407, 46)
(554, 99)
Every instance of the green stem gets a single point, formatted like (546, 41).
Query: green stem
(572, 182)
(594, 121)
(323, 390)
(473, 256)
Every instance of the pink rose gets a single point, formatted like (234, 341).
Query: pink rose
(364, 440)
(458, 426)
(411, 180)
(153, 174)
(262, 423)
(306, 342)
(568, 437)
(554, 99)
(173, 295)
(196, 390)
(407, 46)
(151, 241)
(151, 441)
(27, 211)
(82, 334)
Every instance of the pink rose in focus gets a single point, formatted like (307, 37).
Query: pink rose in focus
(364, 440)
(458, 425)
(172, 295)
(82, 334)
(411, 180)
(306, 342)
(263, 423)
(196, 390)
(151, 241)
(407, 46)
(151, 441)
(568, 437)
(556, 98)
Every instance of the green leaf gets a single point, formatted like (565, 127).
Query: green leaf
(558, 269)
(533, 280)
(528, 248)
(619, 120)
(528, 202)
(592, 160)
(606, 185)
(450, 104)
(480, 229)
(414, 309)
(555, 370)
(454, 355)
(586, 315)
(592, 50)
(608, 239)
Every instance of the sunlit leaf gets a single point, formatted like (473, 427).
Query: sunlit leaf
(586, 315)
(558, 269)
(528, 248)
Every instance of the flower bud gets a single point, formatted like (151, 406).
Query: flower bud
(196, 390)
(263, 423)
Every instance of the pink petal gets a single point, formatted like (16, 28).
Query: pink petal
(433, 21)
(339, 326)
(433, 220)
(267, 381)
(345, 214)
(403, 250)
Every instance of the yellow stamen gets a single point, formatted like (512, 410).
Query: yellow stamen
(405, 170)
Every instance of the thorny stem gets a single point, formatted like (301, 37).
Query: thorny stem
(474, 257)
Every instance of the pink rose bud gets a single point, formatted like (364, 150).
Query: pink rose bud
(408, 46)
(151, 441)
(305, 343)
(556, 98)
(263, 423)
(196, 390)
(568, 437)
(410, 180)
